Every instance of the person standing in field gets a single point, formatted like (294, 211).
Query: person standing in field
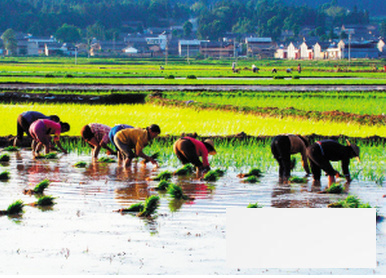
(299, 68)
(130, 143)
(40, 132)
(189, 150)
(97, 136)
(322, 152)
(282, 147)
(25, 120)
(114, 130)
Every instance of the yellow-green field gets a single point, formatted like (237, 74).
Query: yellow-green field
(175, 120)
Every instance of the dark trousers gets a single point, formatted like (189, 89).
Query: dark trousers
(281, 150)
(186, 152)
(22, 126)
(319, 162)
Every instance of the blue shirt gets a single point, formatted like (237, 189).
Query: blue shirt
(114, 131)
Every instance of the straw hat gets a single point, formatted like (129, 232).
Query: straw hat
(211, 146)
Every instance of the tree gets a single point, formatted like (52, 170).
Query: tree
(68, 33)
(97, 30)
(188, 27)
(10, 42)
(243, 26)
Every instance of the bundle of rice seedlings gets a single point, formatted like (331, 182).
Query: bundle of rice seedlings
(133, 208)
(106, 159)
(350, 202)
(41, 186)
(80, 164)
(185, 170)
(296, 179)
(251, 179)
(162, 185)
(4, 175)
(335, 188)
(165, 175)
(5, 157)
(253, 172)
(11, 149)
(45, 201)
(47, 156)
(176, 192)
(255, 205)
(220, 172)
(211, 176)
(15, 208)
(150, 207)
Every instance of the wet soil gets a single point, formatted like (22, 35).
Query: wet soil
(81, 234)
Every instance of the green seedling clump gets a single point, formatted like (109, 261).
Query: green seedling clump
(350, 202)
(4, 175)
(163, 185)
(11, 149)
(150, 207)
(211, 176)
(4, 157)
(185, 170)
(133, 208)
(80, 164)
(41, 186)
(106, 159)
(165, 175)
(295, 179)
(255, 205)
(219, 172)
(45, 201)
(335, 188)
(255, 172)
(15, 208)
(252, 179)
(176, 192)
(47, 156)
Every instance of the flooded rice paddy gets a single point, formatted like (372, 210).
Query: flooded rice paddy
(81, 233)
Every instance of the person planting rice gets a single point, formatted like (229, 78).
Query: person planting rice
(188, 150)
(130, 142)
(114, 130)
(282, 146)
(25, 120)
(97, 136)
(322, 152)
(40, 131)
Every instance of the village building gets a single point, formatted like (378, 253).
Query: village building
(260, 46)
(188, 48)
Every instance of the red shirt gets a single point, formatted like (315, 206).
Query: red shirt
(201, 150)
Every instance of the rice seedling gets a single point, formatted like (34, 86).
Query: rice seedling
(335, 188)
(44, 201)
(11, 149)
(137, 207)
(80, 164)
(5, 157)
(165, 175)
(211, 176)
(39, 188)
(163, 185)
(51, 155)
(379, 180)
(5, 175)
(251, 179)
(185, 170)
(253, 172)
(296, 179)
(219, 172)
(150, 207)
(255, 205)
(106, 159)
(351, 201)
(14, 208)
(176, 192)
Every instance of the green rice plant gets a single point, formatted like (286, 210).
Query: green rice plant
(137, 207)
(185, 170)
(51, 155)
(176, 192)
(335, 188)
(150, 207)
(45, 201)
(14, 208)
(211, 176)
(163, 185)
(219, 172)
(41, 186)
(5, 157)
(191, 76)
(11, 149)
(379, 180)
(106, 159)
(255, 205)
(295, 179)
(5, 175)
(80, 164)
(170, 76)
(252, 179)
(351, 201)
(165, 175)
(253, 172)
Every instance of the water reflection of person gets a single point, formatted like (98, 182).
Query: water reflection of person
(97, 171)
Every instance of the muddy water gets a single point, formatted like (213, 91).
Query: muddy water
(81, 234)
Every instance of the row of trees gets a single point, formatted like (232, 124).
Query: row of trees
(71, 20)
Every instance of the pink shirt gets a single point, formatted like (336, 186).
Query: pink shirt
(55, 128)
(201, 150)
(101, 132)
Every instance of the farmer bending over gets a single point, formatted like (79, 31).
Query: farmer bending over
(322, 152)
(114, 130)
(188, 150)
(25, 120)
(40, 131)
(282, 146)
(131, 141)
(97, 136)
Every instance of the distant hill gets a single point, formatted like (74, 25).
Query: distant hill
(374, 7)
